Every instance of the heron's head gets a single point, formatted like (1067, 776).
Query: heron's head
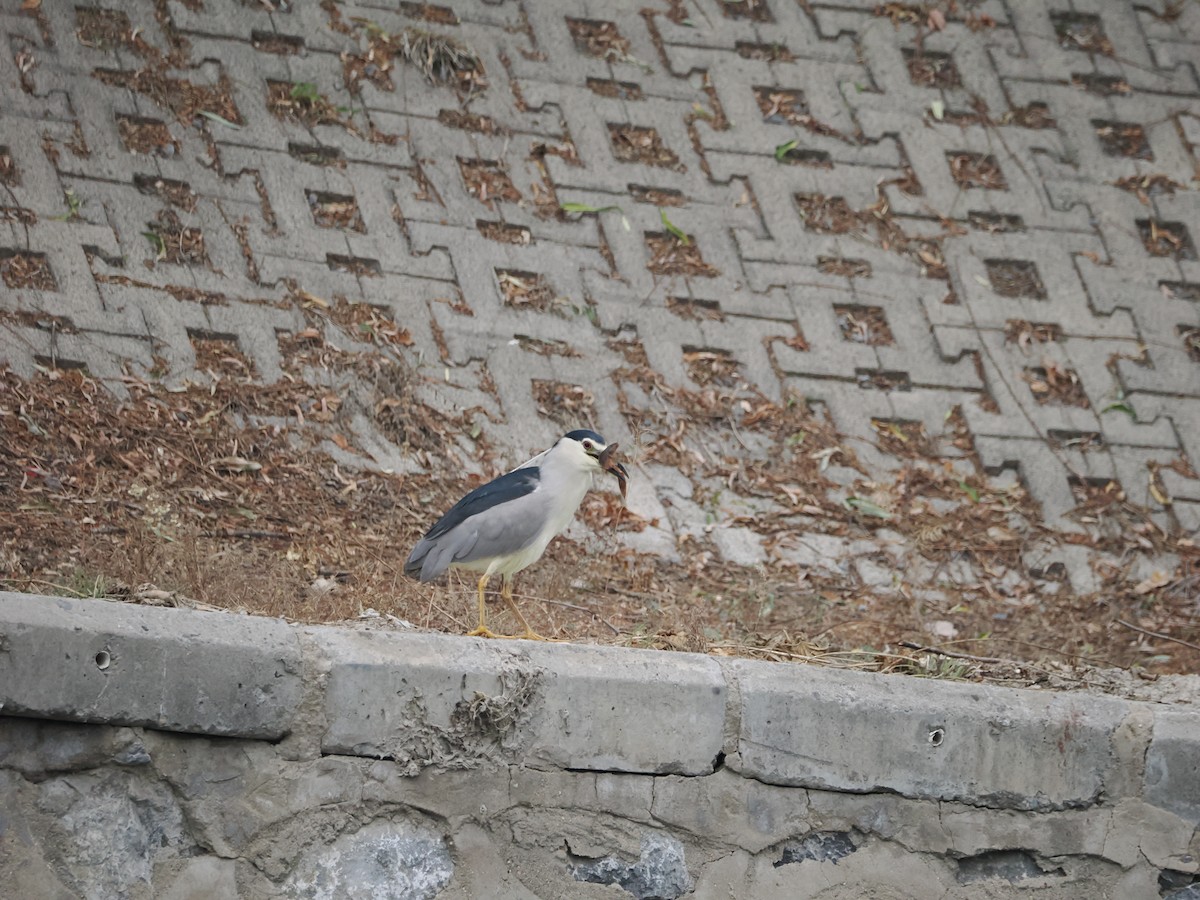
(594, 454)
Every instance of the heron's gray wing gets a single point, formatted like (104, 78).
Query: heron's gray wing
(479, 526)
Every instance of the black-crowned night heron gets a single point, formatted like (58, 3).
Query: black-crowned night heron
(505, 525)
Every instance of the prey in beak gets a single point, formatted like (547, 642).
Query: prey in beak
(612, 466)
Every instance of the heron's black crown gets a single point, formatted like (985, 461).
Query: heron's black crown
(580, 434)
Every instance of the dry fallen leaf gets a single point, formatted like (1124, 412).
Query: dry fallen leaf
(30, 5)
(1157, 580)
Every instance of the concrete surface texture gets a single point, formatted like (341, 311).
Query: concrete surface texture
(376, 764)
(930, 221)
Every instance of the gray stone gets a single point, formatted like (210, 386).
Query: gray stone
(383, 861)
(111, 830)
(1173, 763)
(1190, 892)
(659, 874)
(740, 546)
(102, 662)
(1010, 865)
(823, 846)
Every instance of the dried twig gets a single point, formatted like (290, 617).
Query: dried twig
(989, 660)
(1155, 634)
(582, 609)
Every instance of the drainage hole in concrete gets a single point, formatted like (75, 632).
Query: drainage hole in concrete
(103, 660)
(937, 736)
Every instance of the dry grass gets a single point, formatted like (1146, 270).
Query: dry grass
(224, 491)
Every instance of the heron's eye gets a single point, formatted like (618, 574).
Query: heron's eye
(587, 445)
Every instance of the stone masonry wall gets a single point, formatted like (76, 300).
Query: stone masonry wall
(170, 754)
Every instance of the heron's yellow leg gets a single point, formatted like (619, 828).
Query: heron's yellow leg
(506, 593)
(482, 630)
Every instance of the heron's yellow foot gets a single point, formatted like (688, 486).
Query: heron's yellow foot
(484, 632)
(531, 635)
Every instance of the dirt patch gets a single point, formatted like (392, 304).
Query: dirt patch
(804, 156)
(8, 169)
(23, 269)
(996, 223)
(473, 122)
(976, 170)
(569, 405)
(1024, 333)
(710, 366)
(695, 310)
(903, 438)
(184, 99)
(864, 325)
(882, 380)
(276, 43)
(503, 233)
(488, 181)
(1123, 139)
(789, 106)
(1081, 31)
(1166, 239)
(316, 155)
(178, 193)
(1180, 290)
(764, 52)
(528, 290)
(108, 29)
(671, 256)
(599, 39)
(428, 12)
(1015, 278)
(301, 102)
(545, 348)
(1034, 115)
(846, 268)
(175, 242)
(18, 214)
(928, 68)
(634, 144)
(440, 58)
(618, 90)
(1102, 85)
(753, 10)
(656, 196)
(359, 266)
(781, 106)
(367, 323)
(1190, 335)
(876, 224)
(1146, 186)
(335, 211)
(147, 136)
(1053, 384)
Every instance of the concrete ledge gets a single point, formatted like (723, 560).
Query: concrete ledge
(982, 745)
(121, 664)
(426, 699)
(447, 702)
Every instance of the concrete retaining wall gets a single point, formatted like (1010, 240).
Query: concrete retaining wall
(170, 754)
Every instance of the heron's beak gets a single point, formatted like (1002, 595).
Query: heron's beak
(608, 464)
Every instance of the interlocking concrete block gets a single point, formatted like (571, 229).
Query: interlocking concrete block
(982, 745)
(442, 700)
(114, 663)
